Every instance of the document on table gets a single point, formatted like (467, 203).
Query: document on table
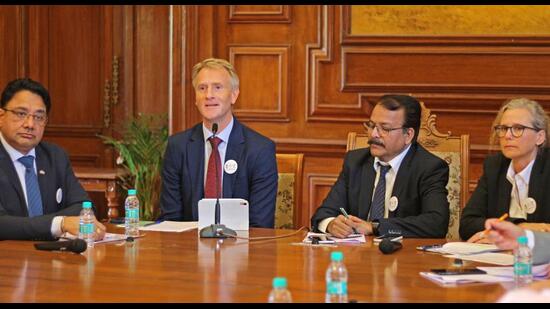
(171, 226)
(493, 275)
(111, 237)
(329, 239)
(484, 253)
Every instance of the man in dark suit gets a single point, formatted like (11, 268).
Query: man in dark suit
(394, 186)
(250, 168)
(40, 197)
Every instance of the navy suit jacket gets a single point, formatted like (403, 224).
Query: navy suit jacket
(420, 187)
(492, 195)
(57, 174)
(255, 179)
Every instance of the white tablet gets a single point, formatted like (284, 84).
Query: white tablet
(233, 213)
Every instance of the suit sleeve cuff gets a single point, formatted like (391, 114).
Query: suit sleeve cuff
(322, 227)
(56, 226)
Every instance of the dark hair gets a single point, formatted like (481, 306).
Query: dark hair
(411, 105)
(28, 84)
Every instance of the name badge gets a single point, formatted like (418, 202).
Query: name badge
(230, 166)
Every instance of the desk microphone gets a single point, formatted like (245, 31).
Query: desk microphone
(216, 230)
(74, 245)
(387, 246)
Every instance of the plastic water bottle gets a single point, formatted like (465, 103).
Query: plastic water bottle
(131, 210)
(86, 229)
(279, 293)
(523, 262)
(337, 279)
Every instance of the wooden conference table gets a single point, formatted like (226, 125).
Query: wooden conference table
(180, 267)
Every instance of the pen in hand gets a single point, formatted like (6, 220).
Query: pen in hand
(502, 218)
(343, 211)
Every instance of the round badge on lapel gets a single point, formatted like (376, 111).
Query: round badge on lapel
(530, 205)
(58, 195)
(393, 203)
(230, 166)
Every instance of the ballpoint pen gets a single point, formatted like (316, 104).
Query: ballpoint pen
(502, 218)
(343, 211)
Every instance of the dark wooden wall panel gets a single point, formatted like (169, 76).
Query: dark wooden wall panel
(152, 26)
(11, 36)
(263, 76)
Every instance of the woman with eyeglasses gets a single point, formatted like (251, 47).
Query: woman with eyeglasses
(516, 180)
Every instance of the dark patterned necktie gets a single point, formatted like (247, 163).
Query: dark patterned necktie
(379, 199)
(34, 199)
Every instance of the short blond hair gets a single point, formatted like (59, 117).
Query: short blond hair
(540, 119)
(216, 63)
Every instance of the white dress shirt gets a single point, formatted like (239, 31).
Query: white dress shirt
(520, 185)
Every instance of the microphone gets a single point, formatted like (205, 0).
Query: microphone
(74, 245)
(387, 246)
(216, 230)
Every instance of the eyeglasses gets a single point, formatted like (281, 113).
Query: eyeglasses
(382, 130)
(517, 130)
(21, 115)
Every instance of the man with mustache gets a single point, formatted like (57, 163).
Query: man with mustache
(40, 197)
(394, 186)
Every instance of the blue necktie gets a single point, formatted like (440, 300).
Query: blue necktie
(33, 190)
(379, 199)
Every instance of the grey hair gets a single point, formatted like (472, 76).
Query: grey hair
(540, 119)
(215, 63)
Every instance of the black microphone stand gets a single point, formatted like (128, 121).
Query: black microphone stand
(216, 230)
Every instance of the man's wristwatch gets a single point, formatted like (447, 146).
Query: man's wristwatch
(375, 225)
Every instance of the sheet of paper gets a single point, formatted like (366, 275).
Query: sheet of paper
(539, 271)
(110, 237)
(502, 259)
(171, 226)
(465, 248)
(329, 239)
(463, 279)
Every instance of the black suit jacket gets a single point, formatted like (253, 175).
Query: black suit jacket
(58, 174)
(492, 195)
(420, 187)
(255, 179)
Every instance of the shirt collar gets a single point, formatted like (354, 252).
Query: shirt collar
(223, 135)
(395, 162)
(525, 174)
(14, 153)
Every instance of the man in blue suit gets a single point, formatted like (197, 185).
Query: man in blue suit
(245, 159)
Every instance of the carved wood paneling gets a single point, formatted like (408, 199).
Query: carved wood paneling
(260, 14)
(474, 70)
(152, 58)
(319, 186)
(12, 25)
(263, 92)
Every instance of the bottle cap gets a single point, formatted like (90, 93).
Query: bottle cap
(337, 256)
(87, 204)
(522, 240)
(279, 282)
(132, 192)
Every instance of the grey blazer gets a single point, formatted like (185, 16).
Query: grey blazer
(541, 251)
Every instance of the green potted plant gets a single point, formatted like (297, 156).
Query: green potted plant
(141, 150)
